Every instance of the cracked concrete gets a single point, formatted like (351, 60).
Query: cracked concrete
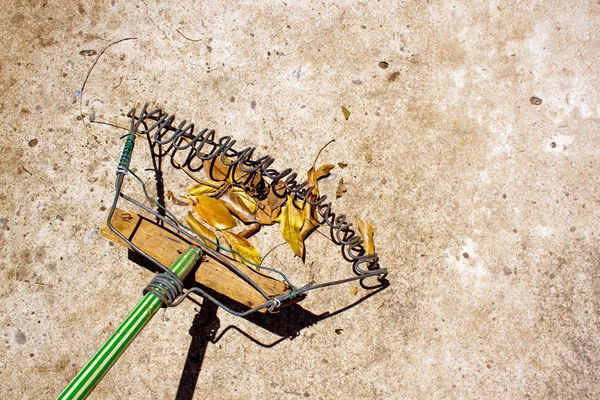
(484, 199)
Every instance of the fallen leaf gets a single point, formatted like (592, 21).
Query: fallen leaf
(276, 196)
(252, 229)
(248, 200)
(346, 113)
(314, 176)
(234, 203)
(246, 252)
(366, 232)
(341, 189)
(339, 331)
(342, 165)
(291, 220)
(204, 232)
(368, 157)
(354, 291)
(310, 221)
(218, 170)
(212, 211)
(205, 188)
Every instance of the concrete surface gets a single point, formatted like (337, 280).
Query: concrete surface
(485, 205)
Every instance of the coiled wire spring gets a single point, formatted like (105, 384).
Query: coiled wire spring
(165, 140)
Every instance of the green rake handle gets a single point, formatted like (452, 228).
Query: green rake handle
(93, 372)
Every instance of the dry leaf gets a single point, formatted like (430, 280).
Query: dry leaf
(354, 291)
(202, 230)
(366, 232)
(310, 221)
(341, 189)
(242, 246)
(265, 215)
(248, 200)
(342, 165)
(212, 211)
(219, 171)
(205, 188)
(291, 220)
(233, 202)
(252, 229)
(273, 199)
(314, 176)
(346, 113)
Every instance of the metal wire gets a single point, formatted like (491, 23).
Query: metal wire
(189, 152)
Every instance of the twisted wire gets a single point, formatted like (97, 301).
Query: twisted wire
(188, 150)
(165, 288)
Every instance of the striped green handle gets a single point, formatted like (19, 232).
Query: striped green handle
(93, 372)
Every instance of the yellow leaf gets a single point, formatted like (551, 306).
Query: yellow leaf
(346, 113)
(310, 221)
(366, 232)
(291, 220)
(212, 211)
(323, 171)
(242, 246)
(313, 176)
(206, 187)
(236, 206)
(248, 200)
(202, 230)
(341, 189)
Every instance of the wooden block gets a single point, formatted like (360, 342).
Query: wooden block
(165, 246)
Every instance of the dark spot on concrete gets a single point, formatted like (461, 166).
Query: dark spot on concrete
(552, 276)
(26, 256)
(102, 208)
(20, 337)
(536, 101)
(209, 49)
(232, 99)
(572, 229)
(88, 53)
(488, 366)
(80, 8)
(253, 105)
(553, 145)
(393, 76)
(4, 224)
(515, 231)
(465, 254)
(17, 19)
(25, 111)
(383, 64)
(40, 253)
(339, 331)
(33, 143)
(507, 271)
(357, 82)
(363, 27)
(504, 196)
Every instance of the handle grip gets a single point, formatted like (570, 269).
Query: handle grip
(93, 372)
